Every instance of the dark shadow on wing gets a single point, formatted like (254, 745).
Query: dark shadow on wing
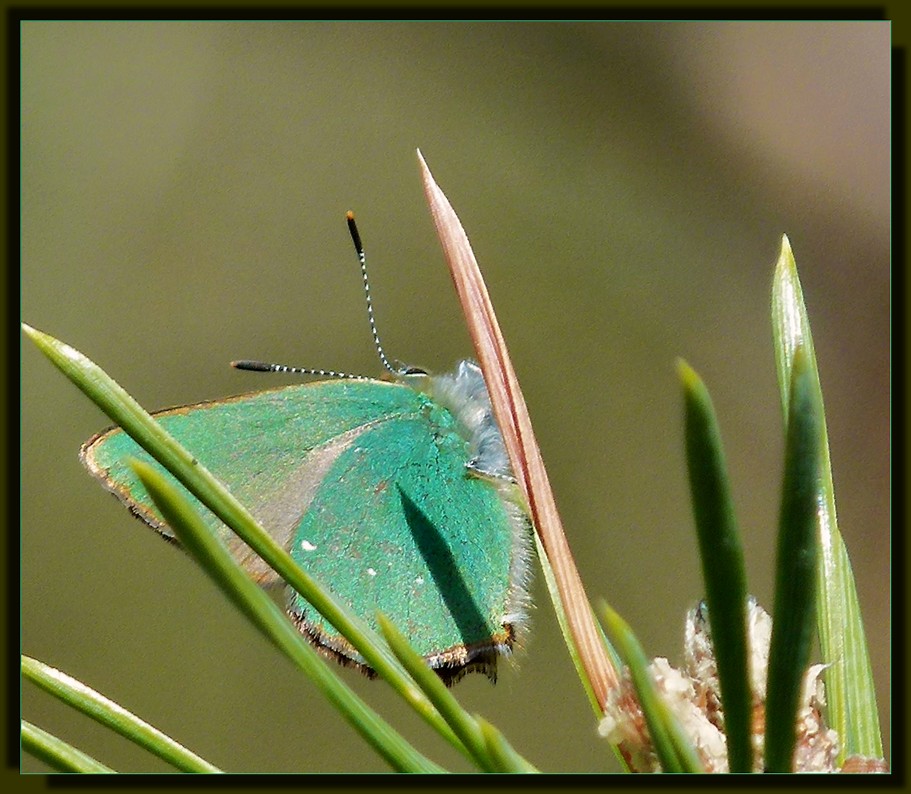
(471, 622)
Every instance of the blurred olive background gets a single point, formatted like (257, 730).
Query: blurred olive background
(625, 187)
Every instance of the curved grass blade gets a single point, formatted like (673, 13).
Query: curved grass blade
(57, 753)
(271, 621)
(795, 571)
(108, 395)
(722, 563)
(563, 623)
(674, 749)
(463, 724)
(501, 752)
(850, 692)
(104, 710)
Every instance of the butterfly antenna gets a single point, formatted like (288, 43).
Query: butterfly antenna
(262, 366)
(356, 239)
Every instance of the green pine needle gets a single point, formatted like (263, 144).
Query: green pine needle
(850, 692)
(792, 623)
(216, 560)
(722, 564)
(57, 753)
(104, 710)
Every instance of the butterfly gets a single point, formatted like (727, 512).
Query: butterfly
(396, 495)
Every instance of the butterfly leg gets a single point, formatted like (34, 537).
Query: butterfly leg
(475, 470)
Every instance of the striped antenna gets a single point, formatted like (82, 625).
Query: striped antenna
(356, 239)
(262, 366)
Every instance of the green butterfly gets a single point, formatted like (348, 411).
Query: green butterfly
(395, 495)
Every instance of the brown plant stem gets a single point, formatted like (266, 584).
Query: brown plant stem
(515, 425)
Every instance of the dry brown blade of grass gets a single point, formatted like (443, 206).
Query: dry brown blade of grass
(515, 424)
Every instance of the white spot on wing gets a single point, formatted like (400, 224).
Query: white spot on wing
(306, 545)
(371, 572)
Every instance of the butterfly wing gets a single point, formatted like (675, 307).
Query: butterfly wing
(365, 483)
(401, 526)
(268, 448)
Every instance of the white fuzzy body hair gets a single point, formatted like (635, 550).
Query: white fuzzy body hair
(464, 393)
